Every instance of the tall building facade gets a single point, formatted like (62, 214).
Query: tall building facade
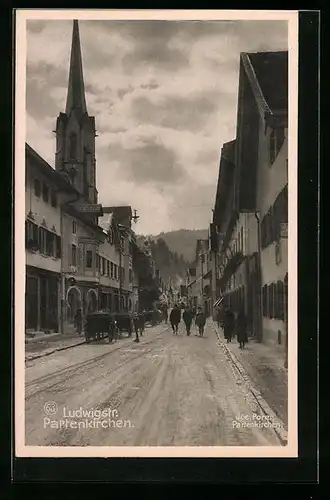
(77, 257)
(251, 210)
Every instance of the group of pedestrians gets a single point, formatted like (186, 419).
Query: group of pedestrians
(232, 326)
(188, 316)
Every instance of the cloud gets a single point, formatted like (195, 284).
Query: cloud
(180, 113)
(164, 97)
(147, 162)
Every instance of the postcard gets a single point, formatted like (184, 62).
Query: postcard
(156, 233)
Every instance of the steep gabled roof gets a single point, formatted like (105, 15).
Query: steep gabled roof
(43, 166)
(268, 76)
(225, 178)
(76, 89)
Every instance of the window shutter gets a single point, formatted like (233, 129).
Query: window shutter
(280, 288)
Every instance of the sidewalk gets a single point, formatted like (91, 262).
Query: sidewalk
(41, 345)
(265, 368)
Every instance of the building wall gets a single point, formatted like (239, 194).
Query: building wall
(43, 215)
(84, 238)
(272, 179)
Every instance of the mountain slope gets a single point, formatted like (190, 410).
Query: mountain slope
(183, 241)
(170, 264)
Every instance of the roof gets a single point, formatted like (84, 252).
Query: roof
(76, 88)
(268, 75)
(48, 170)
(228, 151)
(225, 179)
(105, 221)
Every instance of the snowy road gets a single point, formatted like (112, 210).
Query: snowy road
(163, 391)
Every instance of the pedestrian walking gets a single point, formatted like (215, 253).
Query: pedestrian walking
(200, 321)
(141, 323)
(219, 318)
(78, 320)
(187, 318)
(229, 325)
(175, 318)
(165, 313)
(241, 329)
(136, 323)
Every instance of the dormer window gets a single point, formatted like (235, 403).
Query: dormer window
(73, 146)
(276, 140)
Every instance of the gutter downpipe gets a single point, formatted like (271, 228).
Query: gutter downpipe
(259, 333)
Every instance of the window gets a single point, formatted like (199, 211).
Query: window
(42, 240)
(280, 300)
(276, 140)
(74, 227)
(31, 235)
(58, 246)
(108, 271)
(74, 255)
(280, 211)
(264, 301)
(54, 199)
(271, 300)
(115, 271)
(89, 259)
(37, 188)
(50, 243)
(112, 272)
(45, 192)
(130, 275)
(73, 146)
(101, 266)
(97, 262)
(85, 174)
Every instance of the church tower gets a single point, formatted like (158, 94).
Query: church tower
(75, 130)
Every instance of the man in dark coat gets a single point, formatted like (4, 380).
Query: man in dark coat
(200, 321)
(229, 324)
(78, 320)
(187, 318)
(136, 322)
(141, 322)
(165, 313)
(241, 329)
(175, 318)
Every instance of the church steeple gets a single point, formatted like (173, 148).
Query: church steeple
(76, 89)
(75, 130)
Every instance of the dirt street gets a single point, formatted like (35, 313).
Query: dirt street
(166, 390)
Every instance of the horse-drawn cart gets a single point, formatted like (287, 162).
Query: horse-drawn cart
(99, 325)
(124, 322)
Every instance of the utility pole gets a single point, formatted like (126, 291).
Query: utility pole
(62, 273)
(202, 281)
(120, 271)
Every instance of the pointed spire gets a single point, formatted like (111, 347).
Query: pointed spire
(76, 88)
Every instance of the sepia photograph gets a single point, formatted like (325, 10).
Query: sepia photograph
(155, 233)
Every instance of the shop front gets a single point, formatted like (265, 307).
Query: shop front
(42, 300)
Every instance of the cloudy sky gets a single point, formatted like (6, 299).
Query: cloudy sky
(164, 96)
